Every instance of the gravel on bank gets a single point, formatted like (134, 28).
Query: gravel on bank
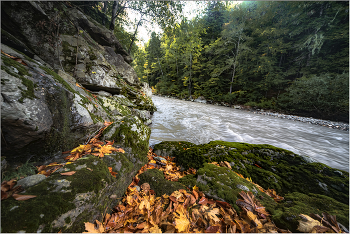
(309, 120)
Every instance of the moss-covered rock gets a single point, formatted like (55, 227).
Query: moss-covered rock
(155, 178)
(266, 165)
(286, 213)
(66, 202)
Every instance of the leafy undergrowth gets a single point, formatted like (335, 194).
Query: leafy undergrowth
(189, 211)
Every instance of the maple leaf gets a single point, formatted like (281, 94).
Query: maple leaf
(182, 224)
(106, 149)
(90, 227)
(155, 229)
(211, 214)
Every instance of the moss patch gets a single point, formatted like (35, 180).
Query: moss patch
(286, 213)
(158, 183)
(266, 165)
(22, 71)
(58, 78)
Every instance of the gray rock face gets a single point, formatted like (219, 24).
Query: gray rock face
(31, 180)
(47, 108)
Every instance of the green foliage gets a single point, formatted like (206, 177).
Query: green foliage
(290, 56)
(24, 170)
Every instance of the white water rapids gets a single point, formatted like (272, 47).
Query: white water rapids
(199, 123)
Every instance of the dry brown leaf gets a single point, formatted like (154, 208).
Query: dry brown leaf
(69, 173)
(22, 197)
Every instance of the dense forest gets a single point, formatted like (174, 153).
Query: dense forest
(286, 56)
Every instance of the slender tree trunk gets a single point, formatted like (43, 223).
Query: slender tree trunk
(189, 81)
(134, 36)
(280, 61)
(104, 12)
(177, 68)
(234, 64)
(114, 11)
(160, 68)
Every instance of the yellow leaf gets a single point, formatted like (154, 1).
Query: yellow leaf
(81, 149)
(307, 223)
(90, 227)
(182, 224)
(155, 229)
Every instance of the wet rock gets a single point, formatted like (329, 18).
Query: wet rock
(245, 188)
(201, 99)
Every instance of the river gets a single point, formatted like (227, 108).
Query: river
(200, 123)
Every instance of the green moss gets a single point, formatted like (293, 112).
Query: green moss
(266, 165)
(58, 78)
(286, 213)
(137, 141)
(22, 71)
(16, 219)
(223, 183)
(158, 183)
(92, 54)
(67, 220)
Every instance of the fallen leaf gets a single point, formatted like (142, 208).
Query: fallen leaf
(182, 224)
(22, 197)
(90, 227)
(307, 223)
(69, 173)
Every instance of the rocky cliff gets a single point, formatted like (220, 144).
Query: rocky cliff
(62, 76)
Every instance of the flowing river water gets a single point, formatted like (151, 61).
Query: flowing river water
(178, 120)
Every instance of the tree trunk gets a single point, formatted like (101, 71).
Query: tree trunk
(234, 64)
(104, 12)
(114, 11)
(160, 67)
(189, 81)
(134, 36)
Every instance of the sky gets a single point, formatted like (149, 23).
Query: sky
(144, 31)
(191, 9)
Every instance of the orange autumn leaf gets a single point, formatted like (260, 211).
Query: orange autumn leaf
(112, 172)
(69, 173)
(107, 123)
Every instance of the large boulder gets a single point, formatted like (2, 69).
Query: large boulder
(266, 165)
(307, 187)
(52, 58)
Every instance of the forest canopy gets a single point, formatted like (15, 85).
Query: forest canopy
(288, 56)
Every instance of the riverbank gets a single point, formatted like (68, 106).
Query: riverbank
(309, 120)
